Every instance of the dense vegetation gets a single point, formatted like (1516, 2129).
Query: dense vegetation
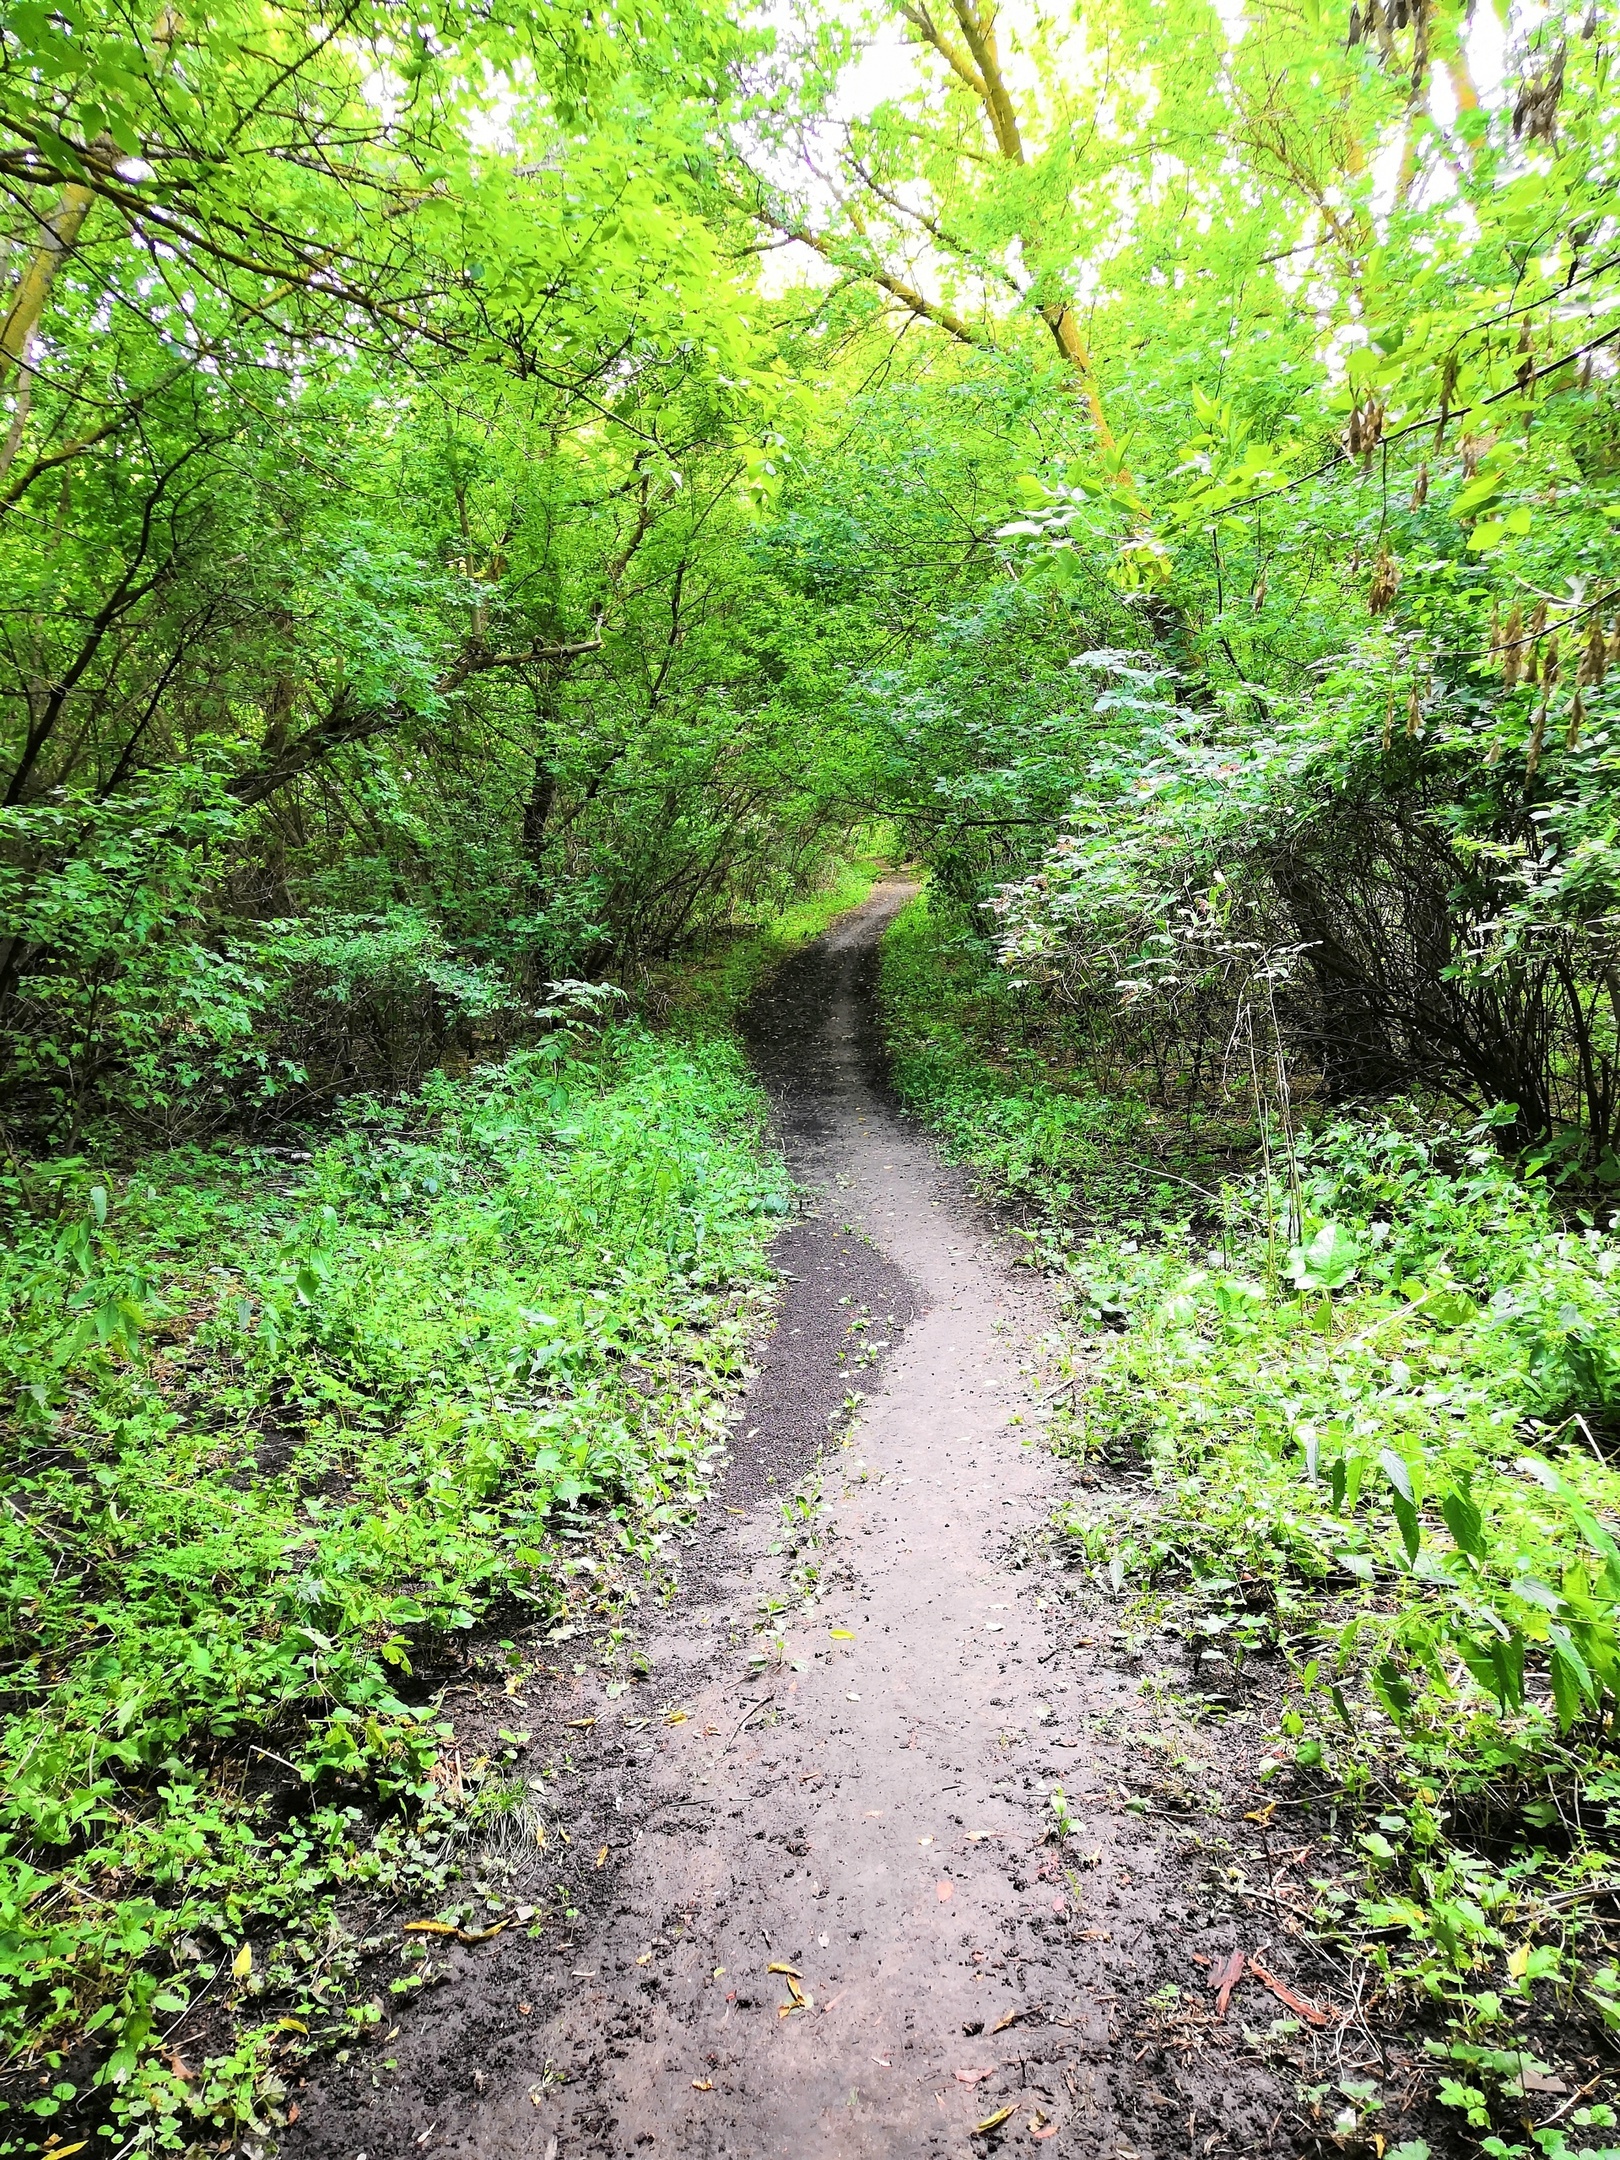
(497, 503)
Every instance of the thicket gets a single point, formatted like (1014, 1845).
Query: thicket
(1373, 1388)
(291, 1426)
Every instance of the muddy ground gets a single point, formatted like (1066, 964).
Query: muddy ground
(836, 1911)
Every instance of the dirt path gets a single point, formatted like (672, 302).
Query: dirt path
(870, 1807)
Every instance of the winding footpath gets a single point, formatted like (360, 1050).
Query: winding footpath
(840, 1921)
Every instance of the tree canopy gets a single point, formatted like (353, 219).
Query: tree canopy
(500, 493)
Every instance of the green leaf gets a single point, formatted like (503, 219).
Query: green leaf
(1464, 1521)
(1393, 1689)
(1394, 1468)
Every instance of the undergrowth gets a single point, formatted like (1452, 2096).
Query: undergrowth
(1376, 1393)
(288, 1429)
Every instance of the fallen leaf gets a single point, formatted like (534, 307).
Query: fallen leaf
(61, 2152)
(1011, 2018)
(1049, 2131)
(601, 1858)
(523, 2009)
(1285, 1994)
(841, 1634)
(1262, 1814)
(645, 1958)
(703, 2084)
(430, 1927)
(974, 2077)
(581, 1724)
(242, 1963)
(995, 2121)
(943, 1891)
(291, 2024)
(788, 1972)
(294, 2112)
(478, 1935)
(676, 1717)
(1533, 2081)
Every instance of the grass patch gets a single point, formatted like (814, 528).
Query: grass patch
(1376, 1397)
(284, 1429)
(714, 990)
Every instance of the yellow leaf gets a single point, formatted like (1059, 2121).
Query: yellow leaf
(993, 2122)
(1519, 1962)
(478, 1935)
(601, 1858)
(676, 1717)
(429, 1927)
(60, 2152)
(291, 2025)
(703, 2084)
(581, 1724)
(790, 1972)
(841, 1634)
(242, 1963)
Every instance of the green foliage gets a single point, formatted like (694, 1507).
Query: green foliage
(286, 1431)
(1377, 1399)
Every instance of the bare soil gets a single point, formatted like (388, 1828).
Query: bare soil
(835, 1910)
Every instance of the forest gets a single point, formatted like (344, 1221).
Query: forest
(512, 514)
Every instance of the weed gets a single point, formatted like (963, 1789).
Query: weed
(289, 1427)
(1376, 1404)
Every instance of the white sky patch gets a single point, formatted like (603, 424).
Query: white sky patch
(885, 73)
(1386, 173)
(1485, 42)
(1442, 99)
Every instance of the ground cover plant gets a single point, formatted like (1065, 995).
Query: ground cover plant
(291, 1424)
(1376, 1395)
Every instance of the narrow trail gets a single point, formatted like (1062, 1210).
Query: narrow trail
(870, 1808)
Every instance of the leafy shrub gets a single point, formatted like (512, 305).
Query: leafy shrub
(285, 1427)
(1375, 1394)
